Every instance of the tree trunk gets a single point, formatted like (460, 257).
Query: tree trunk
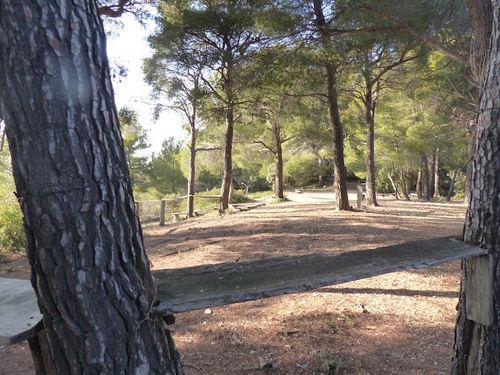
(227, 177)
(452, 185)
(340, 173)
(394, 185)
(84, 241)
(278, 184)
(425, 177)
(192, 172)
(339, 170)
(437, 177)
(279, 191)
(432, 173)
(370, 102)
(418, 186)
(481, 13)
(477, 344)
(404, 185)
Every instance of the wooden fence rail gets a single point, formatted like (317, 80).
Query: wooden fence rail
(166, 209)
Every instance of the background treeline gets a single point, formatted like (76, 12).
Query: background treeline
(267, 88)
(283, 94)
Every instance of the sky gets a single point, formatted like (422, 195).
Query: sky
(130, 47)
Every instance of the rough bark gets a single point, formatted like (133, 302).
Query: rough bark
(481, 13)
(476, 345)
(84, 241)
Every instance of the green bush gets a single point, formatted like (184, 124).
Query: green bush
(201, 203)
(205, 180)
(239, 197)
(260, 194)
(258, 183)
(303, 171)
(12, 237)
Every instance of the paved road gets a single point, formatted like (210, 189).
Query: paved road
(316, 196)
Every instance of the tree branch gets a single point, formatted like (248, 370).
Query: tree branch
(212, 148)
(114, 11)
(425, 38)
(121, 7)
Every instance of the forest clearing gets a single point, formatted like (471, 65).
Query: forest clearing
(398, 323)
(273, 96)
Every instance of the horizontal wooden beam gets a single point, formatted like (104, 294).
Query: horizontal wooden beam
(201, 287)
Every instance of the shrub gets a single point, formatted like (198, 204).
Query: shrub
(239, 197)
(304, 171)
(12, 237)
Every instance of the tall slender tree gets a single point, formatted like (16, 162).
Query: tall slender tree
(180, 81)
(274, 118)
(218, 36)
(377, 62)
(331, 67)
(437, 25)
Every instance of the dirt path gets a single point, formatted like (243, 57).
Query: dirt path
(400, 323)
(296, 228)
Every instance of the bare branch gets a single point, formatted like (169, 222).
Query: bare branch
(113, 11)
(121, 7)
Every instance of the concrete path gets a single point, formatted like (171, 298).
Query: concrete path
(319, 196)
(19, 310)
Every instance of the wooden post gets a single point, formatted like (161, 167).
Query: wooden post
(162, 212)
(246, 188)
(360, 195)
(40, 352)
(479, 286)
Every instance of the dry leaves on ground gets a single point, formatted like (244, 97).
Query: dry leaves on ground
(398, 323)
